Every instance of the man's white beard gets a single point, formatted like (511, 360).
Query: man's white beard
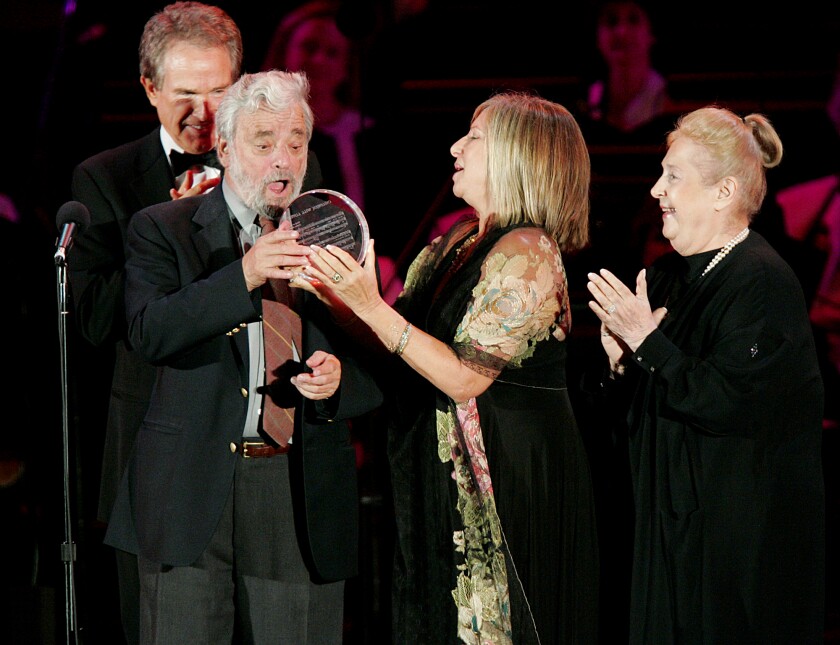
(253, 192)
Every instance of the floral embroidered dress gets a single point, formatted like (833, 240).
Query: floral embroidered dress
(496, 538)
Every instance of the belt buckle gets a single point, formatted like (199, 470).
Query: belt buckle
(245, 445)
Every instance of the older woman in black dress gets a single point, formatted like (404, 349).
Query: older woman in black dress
(726, 422)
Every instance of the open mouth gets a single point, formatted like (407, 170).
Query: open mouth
(279, 185)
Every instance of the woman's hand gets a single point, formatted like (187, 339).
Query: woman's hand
(627, 316)
(355, 285)
(615, 349)
(341, 313)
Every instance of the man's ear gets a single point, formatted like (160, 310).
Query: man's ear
(152, 91)
(223, 151)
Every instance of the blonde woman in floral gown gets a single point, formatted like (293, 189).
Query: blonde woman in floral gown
(496, 539)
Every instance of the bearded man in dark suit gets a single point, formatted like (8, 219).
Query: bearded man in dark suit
(239, 530)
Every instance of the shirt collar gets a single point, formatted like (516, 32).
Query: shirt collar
(243, 215)
(168, 143)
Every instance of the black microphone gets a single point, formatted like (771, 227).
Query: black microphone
(72, 219)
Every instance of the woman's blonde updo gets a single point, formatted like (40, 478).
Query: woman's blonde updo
(736, 147)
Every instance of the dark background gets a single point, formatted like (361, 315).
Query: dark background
(70, 89)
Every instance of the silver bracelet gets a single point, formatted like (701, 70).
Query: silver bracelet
(403, 340)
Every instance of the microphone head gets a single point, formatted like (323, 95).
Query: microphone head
(75, 212)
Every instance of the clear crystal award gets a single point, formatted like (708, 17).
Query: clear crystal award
(324, 217)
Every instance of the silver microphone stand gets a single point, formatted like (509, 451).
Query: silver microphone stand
(68, 548)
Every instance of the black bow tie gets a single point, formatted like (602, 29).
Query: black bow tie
(183, 161)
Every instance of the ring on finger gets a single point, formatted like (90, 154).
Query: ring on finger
(336, 277)
(609, 310)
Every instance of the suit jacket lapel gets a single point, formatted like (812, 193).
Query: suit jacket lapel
(214, 238)
(153, 178)
(215, 243)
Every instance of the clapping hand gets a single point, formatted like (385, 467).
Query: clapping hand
(187, 189)
(625, 315)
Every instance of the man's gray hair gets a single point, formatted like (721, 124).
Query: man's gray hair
(275, 91)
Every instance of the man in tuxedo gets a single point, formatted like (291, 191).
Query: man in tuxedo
(234, 527)
(190, 53)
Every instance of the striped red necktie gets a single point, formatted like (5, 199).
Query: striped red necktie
(281, 331)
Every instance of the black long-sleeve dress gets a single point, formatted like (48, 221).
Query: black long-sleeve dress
(725, 441)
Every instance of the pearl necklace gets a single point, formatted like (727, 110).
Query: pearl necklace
(731, 244)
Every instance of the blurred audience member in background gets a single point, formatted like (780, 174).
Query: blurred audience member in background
(623, 114)
(811, 212)
(631, 92)
(311, 39)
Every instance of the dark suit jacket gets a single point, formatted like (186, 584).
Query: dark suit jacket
(114, 185)
(185, 293)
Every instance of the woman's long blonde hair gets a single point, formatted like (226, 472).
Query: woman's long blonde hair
(538, 168)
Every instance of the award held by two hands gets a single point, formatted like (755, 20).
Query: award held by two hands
(325, 217)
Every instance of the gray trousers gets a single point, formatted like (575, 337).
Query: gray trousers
(250, 585)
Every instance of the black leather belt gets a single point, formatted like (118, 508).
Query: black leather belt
(254, 449)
